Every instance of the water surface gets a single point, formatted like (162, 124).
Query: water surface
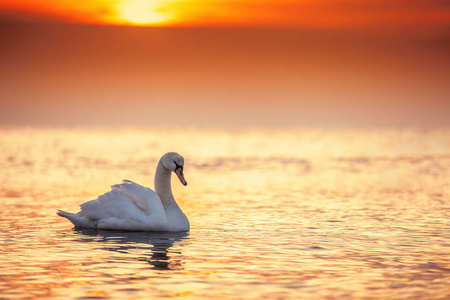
(275, 213)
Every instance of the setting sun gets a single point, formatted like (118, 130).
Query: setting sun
(203, 13)
(142, 12)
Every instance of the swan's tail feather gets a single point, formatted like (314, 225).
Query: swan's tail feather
(77, 219)
(62, 213)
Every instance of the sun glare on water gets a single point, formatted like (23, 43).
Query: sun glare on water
(142, 12)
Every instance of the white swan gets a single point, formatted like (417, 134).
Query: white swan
(130, 206)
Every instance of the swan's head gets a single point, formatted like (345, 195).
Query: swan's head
(174, 162)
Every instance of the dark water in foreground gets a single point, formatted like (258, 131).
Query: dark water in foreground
(274, 214)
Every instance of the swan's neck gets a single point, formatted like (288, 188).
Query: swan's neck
(163, 187)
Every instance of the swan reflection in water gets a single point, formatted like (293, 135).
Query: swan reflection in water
(152, 247)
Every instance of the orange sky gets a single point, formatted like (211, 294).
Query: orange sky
(321, 62)
(283, 13)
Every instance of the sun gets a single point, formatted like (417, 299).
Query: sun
(142, 12)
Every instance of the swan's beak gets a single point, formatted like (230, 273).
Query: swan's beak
(179, 172)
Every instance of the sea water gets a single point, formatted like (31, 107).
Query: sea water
(284, 213)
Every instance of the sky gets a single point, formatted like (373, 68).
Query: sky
(270, 63)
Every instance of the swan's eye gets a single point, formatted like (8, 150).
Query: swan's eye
(177, 166)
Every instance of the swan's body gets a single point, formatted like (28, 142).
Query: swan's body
(130, 206)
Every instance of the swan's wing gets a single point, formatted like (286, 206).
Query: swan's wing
(125, 201)
(112, 204)
(144, 198)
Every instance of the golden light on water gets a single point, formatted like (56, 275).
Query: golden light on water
(299, 213)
